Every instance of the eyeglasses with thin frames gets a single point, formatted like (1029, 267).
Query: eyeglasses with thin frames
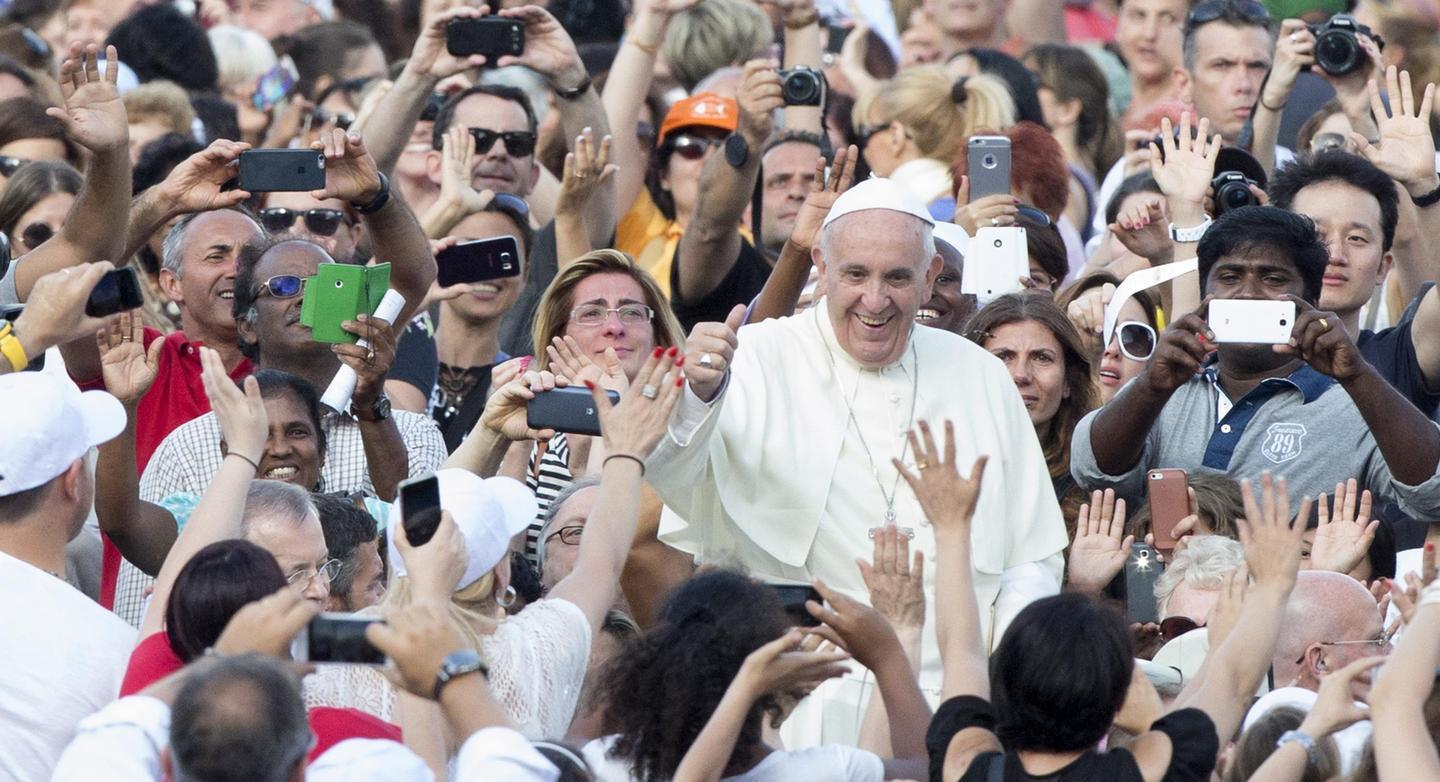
(1379, 644)
(329, 570)
(282, 286)
(596, 314)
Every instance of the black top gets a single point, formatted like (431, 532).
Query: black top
(1392, 352)
(415, 358)
(541, 265)
(459, 400)
(1192, 737)
(740, 286)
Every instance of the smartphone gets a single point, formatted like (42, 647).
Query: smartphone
(420, 507)
(1141, 571)
(336, 638)
(1249, 321)
(989, 167)
(337, 293)
(792, 599)
(570, 409)
(272, 86)
(994, 263)
(282, 170)
(117, 291)
(1169, 491)
(492, 36)
(478, 260)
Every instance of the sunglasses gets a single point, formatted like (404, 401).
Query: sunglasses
(1034, 214)
(36, 234)
(865, 133)
(1172, 627)
(9, 164)
(518, 143)
(282, 286)
(513, 205)
(691, 147)
(1137, 340)
(342, 119)
(1212, 10)
(321, 222)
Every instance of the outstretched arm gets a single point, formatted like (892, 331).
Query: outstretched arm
(781, 294)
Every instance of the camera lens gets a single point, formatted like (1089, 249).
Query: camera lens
(998, 243)
(1337, 51)
(989, 161)
(801, 87)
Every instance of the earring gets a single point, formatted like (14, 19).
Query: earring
(507, 597)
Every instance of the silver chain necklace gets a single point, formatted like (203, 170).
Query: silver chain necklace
(850, 411)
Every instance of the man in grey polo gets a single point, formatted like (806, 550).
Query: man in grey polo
(1314, 411)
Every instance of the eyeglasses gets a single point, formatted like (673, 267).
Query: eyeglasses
(9, 164)
(596, 314)
(1137, 340)
(1172, 627)
(282, 286)
(518, 143)
(1379, 644)
(36, 234)
(1211, 10)
(321, 222)
(342, 119)
(329, 570)
(570, 536)
(1324, 142)
(691, 147)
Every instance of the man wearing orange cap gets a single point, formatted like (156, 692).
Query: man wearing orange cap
(692, 131)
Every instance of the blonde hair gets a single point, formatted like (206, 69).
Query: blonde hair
(242, 56)
(163, 99)
(713, 34)
(553, 312)
(471, 610)
(939, 113)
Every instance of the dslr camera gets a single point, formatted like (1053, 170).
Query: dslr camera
(1337, 44)
(1232, 191)
(802, 86)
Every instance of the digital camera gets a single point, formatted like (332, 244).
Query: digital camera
(802, 86)
(1232, 191)
(1337, 44)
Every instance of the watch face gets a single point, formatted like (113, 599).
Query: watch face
(736, 150)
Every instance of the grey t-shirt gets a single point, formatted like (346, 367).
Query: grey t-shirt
(1304, 427)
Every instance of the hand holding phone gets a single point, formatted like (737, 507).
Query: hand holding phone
(1251, 321)
(272, 86)
(490, 36)
(792, 599)
(117, 291)
(988, 166)
(420, 508)
(282, 170)
(995, 261)
(1169, 491)
(1141, 571)
(337, 638)
(570, 409)
(478, 260)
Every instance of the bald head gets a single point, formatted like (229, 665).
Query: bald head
(1325, 607)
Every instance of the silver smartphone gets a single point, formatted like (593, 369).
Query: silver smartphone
(1249, 321)
(989, 167)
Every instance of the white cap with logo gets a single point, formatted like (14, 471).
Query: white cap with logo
(50, 425)
(877, 193)
(488, 511)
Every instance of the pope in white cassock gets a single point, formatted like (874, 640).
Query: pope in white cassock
(780, 461)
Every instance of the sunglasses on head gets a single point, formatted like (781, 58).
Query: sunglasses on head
(1137, 339)
(36, 234)
(282, 286)
(518, 143)
(1172, 627)
(691, 147)
(321, 222)
(9, 164)
(512, 205)
(1211, 10)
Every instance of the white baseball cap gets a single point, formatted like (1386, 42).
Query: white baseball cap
(51, 424)
(488, 511)
(877, 193)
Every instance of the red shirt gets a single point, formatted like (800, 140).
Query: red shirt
(152, 660)
(176, 397)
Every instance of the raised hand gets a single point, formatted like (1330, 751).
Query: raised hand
(435, 568)
(1226, 613)
(267, 625)
(637, 423)
(569, 361)
(1406, 152)
(549, 50)
(1294, 52)
(897, 586)
(93, 114)
(1271, 540)
(1321, 341)
(1142, 229)
(1187, 166)
(1407, 598)
(350, 172)
(759, 95)
(862, 631)
(1087, 313)
(505, 412)
(194, 185)
(127, 367)
(710, 351)
(1335, 707)
(1101, 546)
(778, 667)
(1180, 353)
(586, 170)
(947, 499)
(1340, 544)
(823, 192)
(457, 166)
(430, 58)
(243, 421)
(417, 639)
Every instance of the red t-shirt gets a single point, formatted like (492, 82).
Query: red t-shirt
(152, 660)
(176, 397)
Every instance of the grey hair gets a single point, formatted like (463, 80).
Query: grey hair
(170, 247)
(927, 238)
(553, 510)
(276, 499)
(1230, 15)
(1204, 564)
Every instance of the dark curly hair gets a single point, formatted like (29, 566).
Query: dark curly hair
(663, 687)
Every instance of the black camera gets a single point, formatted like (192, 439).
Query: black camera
(1232, 191)
(1337, 44)
(802, 86)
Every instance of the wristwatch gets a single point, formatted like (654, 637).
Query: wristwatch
(1312, 751)
(379, 410)
(378, 202)
(1187, 235)
(457, 664)
(576, 92)
(1429, 199)
(737, 150)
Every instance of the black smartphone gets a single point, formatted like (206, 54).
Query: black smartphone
(492, 36)
(282, 170)
(570, 410)
(478, 260)
(117, 291)
(792, 599)
(420, 502)
(1141, 571)
(337, 638)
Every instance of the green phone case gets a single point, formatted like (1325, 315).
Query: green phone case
(337, 293)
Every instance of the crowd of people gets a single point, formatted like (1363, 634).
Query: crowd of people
(719, 389)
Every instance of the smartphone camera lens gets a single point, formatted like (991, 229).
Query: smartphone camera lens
(998, 243)
(339, 284)
(989, 161)
(1284, 322)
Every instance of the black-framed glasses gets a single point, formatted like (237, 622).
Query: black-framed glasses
(1211, 10)
(9, 164)
(321, 222)
(1137, 340)
(342, 119)
(691, 147)
(282, 286)
(518, 143)
(595, 314)
(329, 570)
(570, 536)
(36, 234)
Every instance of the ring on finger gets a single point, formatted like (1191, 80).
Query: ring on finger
(649, 391)
(1324, 324)
(994, 221)
(706, 360)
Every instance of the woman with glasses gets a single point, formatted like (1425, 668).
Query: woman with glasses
(1132, 343)
(1050, 368)
(35, 201)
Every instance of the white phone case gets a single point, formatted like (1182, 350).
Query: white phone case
(994, 262)
(1248, 321)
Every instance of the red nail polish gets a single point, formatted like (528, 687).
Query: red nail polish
(679, 381)
(657, 352)
(680, 362)
(590, 385)
(673, 351)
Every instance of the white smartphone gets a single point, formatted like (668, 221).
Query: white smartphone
(994, 262)
(1249, 321)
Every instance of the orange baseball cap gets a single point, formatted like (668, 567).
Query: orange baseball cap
(706, 110)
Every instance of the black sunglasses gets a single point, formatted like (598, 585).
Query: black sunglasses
(1211, 10)
(321, 222)
(9, 164)
(691, 147)
(518, 143)
(36, 234)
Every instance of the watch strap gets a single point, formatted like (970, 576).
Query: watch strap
(1312, 750)
(378, 202)
(11, 349)
(1192, 234)
(457, 664)
(379, 410)
(578, 91)
(1429, 199)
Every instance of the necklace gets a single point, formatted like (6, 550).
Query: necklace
(850, 411)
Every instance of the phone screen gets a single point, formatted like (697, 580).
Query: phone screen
(272, 86)
(420, 504)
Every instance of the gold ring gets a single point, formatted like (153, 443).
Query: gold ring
(921, 465)
(1324, 324)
